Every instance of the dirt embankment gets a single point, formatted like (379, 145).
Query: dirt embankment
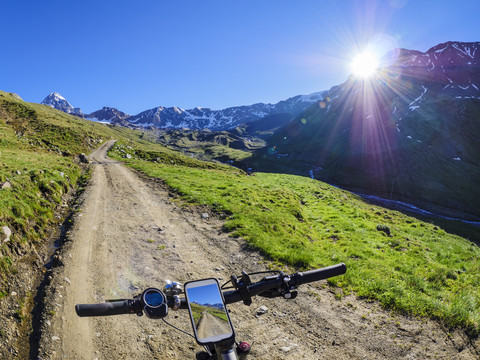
(131, 235)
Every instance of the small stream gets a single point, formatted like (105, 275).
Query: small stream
(412, 208)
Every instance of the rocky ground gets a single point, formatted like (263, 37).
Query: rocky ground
(131, 233)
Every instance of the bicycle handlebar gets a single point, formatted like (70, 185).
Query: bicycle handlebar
(118, 307)
(318, 274)
(261, 288)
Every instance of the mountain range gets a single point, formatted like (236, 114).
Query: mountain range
(197, 118)
(410, 132)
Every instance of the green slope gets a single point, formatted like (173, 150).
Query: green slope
(407, 265)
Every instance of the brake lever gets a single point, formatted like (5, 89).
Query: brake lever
(285, 290)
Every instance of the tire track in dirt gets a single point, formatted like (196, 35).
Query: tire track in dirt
(130, 235)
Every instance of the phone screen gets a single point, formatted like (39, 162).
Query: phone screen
(208, 313)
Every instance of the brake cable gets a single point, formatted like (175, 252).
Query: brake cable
(223, 287)
(176, 328)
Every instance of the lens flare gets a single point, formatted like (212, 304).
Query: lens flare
(364, 65)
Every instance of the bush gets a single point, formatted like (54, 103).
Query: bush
(384, 228)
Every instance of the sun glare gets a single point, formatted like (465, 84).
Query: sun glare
(364, 65)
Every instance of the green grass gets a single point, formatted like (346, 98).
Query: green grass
(211, 146)
(197, 312)
(409, 266)
(225, 153)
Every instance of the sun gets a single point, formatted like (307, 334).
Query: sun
(364, 65)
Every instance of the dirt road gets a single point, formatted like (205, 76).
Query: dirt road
(131, 234)
(210, 325)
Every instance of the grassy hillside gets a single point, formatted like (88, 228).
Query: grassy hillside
(231, 147)
(407, 265)
(39, 149)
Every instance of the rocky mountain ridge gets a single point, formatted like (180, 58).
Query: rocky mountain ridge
(194, 119)
(205, 118)
(452, 65)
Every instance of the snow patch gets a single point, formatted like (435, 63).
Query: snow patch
(417, 99)
(465, 51)
(98, 120)
(440, 50)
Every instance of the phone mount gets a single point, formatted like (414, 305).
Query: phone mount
(242, 286)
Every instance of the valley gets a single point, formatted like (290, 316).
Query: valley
(169, 202)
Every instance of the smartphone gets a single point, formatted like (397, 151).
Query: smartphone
(208, 314)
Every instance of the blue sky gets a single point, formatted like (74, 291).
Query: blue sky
(136, 55)
(205, 294)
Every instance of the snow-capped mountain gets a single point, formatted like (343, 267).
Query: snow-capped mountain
(197, 118)
(451, 65)
(410, 132)
(108, 115)
(205, 118)
(57, 101)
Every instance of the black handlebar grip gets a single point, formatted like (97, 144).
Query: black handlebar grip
(105, 309)
(319, 274)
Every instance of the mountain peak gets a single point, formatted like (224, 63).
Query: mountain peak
(108, 114)
(447, 54)
(419, 113)
(468, 48)
(55, 95)
(57, 101)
